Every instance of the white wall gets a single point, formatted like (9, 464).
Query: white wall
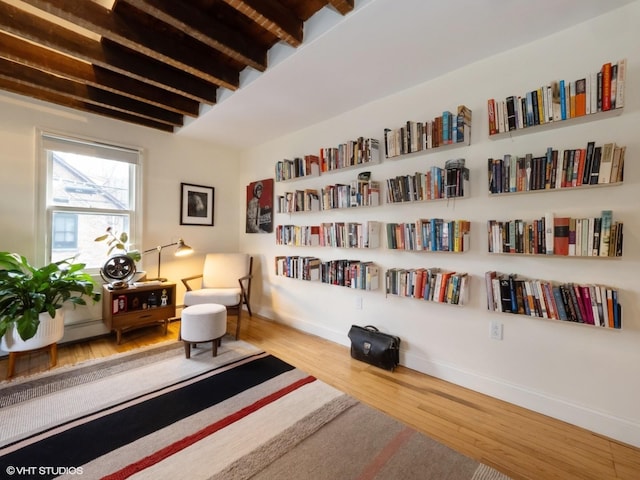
(584, 375)
(168, 161)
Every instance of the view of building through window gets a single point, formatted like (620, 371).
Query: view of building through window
(85, 195)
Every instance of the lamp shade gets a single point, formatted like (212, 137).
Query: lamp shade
(183, 249)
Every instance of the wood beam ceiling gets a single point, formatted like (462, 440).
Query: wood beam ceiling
(149, 62)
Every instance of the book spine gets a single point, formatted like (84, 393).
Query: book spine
(559, 302)
(563, 101)
(606, 87)
(620, 84)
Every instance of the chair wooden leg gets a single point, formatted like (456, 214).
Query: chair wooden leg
(53, 355)
(187, 349)
(214, 348)
(12, 364)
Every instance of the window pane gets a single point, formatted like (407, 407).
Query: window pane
(85, 229)
(65, 231)
(90, 182)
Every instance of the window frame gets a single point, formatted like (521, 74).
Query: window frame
(44, 181)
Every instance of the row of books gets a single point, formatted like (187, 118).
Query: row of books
(430, 234)
(551, 235)
(356, 194)
(349, 154)
(447, 129)
(346, 273)
(583, 303)
(298, 235)
(357, 152)
(593, 165)
(307, 200)
(560, 100)
(429, 284)
(338, 234)
(298, 267)
(307, 166)
(437, 183)
(350, 234)
(351, 273)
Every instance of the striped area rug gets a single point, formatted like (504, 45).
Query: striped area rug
(243, 414)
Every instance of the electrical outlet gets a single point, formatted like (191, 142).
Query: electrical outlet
(358, 303)
(496, 330)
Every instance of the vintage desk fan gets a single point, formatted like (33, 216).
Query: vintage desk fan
(118, 270)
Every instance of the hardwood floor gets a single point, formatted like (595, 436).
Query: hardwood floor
(518, 442)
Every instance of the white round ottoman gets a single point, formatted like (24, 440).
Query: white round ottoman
(206, 322)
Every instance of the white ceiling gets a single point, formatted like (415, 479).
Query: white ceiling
(381, 47)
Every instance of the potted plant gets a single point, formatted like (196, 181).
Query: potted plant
(31, 297)
(118, 243)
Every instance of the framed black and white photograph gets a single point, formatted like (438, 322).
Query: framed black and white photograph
(196, 204)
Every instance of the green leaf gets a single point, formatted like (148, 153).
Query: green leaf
(135, 255)
(4, 324)
(28, 327)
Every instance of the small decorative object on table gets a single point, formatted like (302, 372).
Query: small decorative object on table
(163, 298)
(370, 345)
(153, 300)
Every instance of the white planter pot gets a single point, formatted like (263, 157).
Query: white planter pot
(49, 331)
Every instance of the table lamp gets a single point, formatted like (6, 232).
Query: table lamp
(182, 250)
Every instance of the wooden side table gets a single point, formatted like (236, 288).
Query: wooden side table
(138, 306)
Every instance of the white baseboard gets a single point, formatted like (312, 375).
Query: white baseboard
(583, 416)
(603, 423)
(83, 330)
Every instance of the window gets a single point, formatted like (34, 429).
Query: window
(86, 186)
(65, 231)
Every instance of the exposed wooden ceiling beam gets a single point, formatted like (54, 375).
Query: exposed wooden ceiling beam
(342, 6)
(52, 97)
(105, 54)
(193, 22)
(85, 93)
(273, 17)
(193, 58)
(21, 51)
(150, 62)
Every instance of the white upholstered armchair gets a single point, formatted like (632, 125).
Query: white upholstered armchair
(226, 280)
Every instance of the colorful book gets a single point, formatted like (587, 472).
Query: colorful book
(606, 87)
(563, 100)
(620, 83)
(559, 302)
(581, 98)
(606, 161)
(605, 232)
(561, 235)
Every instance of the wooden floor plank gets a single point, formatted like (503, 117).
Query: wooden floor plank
(520, 443)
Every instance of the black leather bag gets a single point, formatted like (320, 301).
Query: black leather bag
(370, 345)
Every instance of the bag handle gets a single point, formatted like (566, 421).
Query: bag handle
(371, 328)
